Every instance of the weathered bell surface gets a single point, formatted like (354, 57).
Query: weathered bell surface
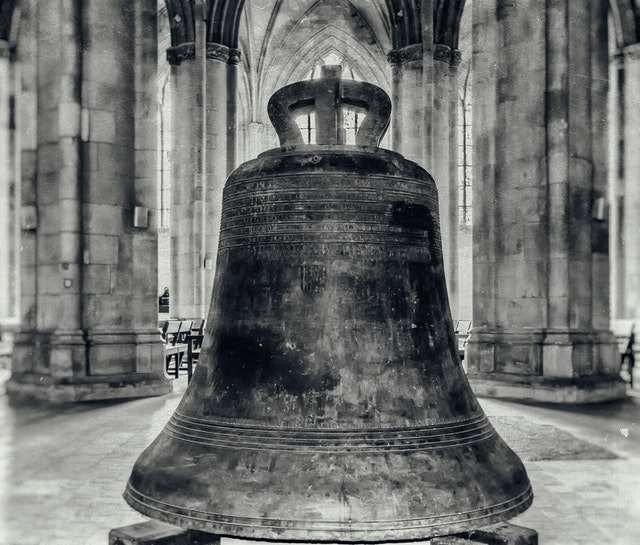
(329, 403)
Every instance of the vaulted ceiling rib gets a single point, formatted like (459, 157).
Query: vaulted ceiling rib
(6, 16)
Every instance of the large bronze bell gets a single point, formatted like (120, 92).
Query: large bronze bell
(329, 403)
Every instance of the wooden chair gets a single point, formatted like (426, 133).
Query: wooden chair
(194, 345)
(462, 334)
(175, 349)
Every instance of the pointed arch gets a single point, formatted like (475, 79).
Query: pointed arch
(7, 9)
(405, 18)
(446, 22)
(327, 40)
(181, 21)
(223, 21)
(626, 19)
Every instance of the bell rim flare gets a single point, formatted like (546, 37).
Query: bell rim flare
(304, 530)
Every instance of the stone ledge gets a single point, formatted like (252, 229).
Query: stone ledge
(154, 532)
(592, 389)
(34, 387)
(498, 534)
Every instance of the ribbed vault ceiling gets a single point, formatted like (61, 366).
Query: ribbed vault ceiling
(399, 22)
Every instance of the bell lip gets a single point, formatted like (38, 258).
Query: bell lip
(330, 531)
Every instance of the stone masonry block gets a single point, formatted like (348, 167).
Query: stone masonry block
(28, 120)
(69, 119)
(106, 187)
(115, 158)
(48, 158)
(69, 215)
(557, 360)
(452, 540)
(102, 126)
(101, 249)
(49, 281)
(146, 136)
(104, 219)
(91, 157)
(559, 278)
(504, 534)
(534, 241)
(147, 189)
(159, 533)
(583, 360)
(512, 235)
(149, 358)
(112, 311)
(530, 279)
(48, 250)
(146, 162)
(53, 310)
(97, 279)
(112, 359)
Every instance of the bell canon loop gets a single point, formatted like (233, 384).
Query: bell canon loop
(329, 402)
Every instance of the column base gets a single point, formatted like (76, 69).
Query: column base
(592, 389)
(550, 366)
(70, 366)
(33, 387)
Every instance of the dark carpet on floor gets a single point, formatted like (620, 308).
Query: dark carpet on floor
(534, 442)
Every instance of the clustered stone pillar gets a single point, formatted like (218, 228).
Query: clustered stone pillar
(541, 302)
(89, 305)
(204, 93)
(408, 108)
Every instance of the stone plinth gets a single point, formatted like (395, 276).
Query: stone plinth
(153, 532)
(159, 533)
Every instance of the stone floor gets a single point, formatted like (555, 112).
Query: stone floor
(62, 471)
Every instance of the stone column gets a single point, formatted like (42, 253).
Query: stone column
(540, 320)
(444, 161)
(424, 124)
(408, 105)
(616, 188)
(199, 97)
(630, 262)
(92, 333)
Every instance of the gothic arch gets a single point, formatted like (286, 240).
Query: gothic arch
(7, 26)
(446, 22)
(403, 18)
(181, 21)
(223, 21)
(626, 20)
(330, 38)
(406, 22)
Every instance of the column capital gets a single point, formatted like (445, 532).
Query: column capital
(218, 52)
(182, 52)
(223, 53)
(444, 53)
(409, 53)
